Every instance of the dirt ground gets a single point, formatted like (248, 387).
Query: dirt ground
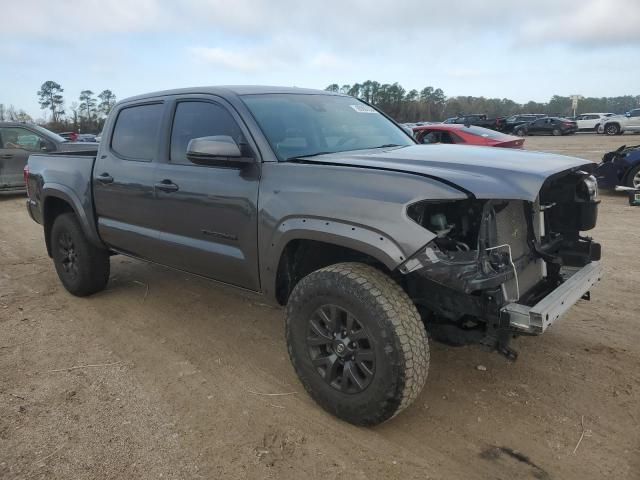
(171, 368)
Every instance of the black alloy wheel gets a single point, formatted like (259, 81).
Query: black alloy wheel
(340, 349)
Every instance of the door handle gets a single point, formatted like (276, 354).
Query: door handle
(105, 178)
(7, 155)
(166, 185)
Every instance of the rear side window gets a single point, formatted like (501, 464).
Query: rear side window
(135, 135)
(200, 119)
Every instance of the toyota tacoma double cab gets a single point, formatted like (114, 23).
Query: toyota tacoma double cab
(323, 204)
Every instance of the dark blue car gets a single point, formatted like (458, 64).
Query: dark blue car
(620, 167)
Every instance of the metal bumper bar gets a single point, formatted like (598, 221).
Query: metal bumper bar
(538, 318)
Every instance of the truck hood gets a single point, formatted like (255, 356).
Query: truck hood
(484, 172)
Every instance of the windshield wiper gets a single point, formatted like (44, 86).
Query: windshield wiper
(295, 157)
(386, 145)
(389, 145)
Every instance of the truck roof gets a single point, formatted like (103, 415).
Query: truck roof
(231, 89)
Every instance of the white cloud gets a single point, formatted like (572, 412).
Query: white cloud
(327, 61)
(350, 24)
(233, 60)
(277, 53)
(594, 23)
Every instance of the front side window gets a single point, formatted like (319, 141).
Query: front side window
(135, 135)
(298, 125)
(21, 138)
(200, 119)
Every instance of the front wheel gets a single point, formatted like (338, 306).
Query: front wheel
(521, 132)
(612, 129)
(556, 132)
(82, 267)
(357, 343)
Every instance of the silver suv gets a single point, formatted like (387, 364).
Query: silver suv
(618, 124)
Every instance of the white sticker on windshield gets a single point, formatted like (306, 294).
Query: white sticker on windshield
(361, 108)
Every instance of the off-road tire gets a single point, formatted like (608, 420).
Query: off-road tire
(91, 272)
(398, 339)
(613, 129)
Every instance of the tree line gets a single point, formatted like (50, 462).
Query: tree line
(87, 114)
(431, 104)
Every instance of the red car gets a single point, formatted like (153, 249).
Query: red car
(466, 135)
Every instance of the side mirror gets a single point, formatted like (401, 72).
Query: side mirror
(216, 149)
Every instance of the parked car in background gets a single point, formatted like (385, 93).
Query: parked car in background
(320, 202)
(591, 121)
(87, 137)
(618, 124)
(18, 141)
(479, 120)
(514, 121)
(548, 126)
(620, 167)
(465, 135)
(71, 136)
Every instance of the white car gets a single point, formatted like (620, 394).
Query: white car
(592, 121)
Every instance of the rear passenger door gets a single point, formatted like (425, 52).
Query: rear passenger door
(123, 180)
(209, 211)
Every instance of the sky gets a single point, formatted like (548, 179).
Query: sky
(493, 48)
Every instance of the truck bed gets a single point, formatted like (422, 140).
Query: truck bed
(67, 176)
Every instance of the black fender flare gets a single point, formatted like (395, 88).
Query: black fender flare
(86, 219)
(369, 241)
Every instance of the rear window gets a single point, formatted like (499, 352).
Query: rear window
(135, 135)
(486, 133)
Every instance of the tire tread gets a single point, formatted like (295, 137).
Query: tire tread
(400, 313)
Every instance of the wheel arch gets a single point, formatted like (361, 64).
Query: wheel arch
(302, 245)
(58, 199)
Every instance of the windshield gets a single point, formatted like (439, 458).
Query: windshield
(299, 125)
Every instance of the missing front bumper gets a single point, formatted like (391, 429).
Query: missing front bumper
(536, 319)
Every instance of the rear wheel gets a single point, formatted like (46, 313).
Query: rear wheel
(612, 129)
(82, 267)
(556, 132)
(357, 343)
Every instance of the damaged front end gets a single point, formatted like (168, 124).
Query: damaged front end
(499, 268)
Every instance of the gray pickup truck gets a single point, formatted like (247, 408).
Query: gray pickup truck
(320, 202)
